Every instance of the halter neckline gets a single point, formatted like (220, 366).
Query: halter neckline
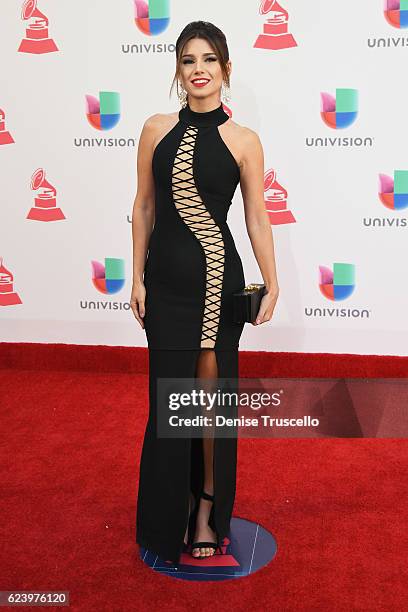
(217, 116)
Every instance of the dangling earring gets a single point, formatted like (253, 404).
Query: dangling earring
(182, 94)
(225, 93)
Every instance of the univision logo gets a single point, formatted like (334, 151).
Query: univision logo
(339, 112)
(337, 284)
(152, 17)
(103, 113)
(393, 194)
(396, 15)
(107, 278)
(393, 191)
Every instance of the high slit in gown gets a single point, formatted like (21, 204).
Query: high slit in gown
(191, 272)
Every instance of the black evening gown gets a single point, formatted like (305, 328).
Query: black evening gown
(191, 272)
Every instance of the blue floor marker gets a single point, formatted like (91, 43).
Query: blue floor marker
(247, 548)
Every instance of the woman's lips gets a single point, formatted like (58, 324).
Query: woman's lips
(198, 84)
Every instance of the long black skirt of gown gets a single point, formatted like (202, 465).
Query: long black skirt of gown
(192, 270)
(171, 467)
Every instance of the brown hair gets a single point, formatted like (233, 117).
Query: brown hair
(215, 37)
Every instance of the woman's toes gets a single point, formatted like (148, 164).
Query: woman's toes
(203, 552)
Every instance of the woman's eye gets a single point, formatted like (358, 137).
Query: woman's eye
(208, 59)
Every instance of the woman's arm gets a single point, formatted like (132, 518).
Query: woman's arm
(142, 216)
(257, 221)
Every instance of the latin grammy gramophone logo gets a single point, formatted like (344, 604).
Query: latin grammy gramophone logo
(276, 33)
(36, 40)
(276, 200)
(5, 136)
(45, 203)
(152, 17)
(8, 297)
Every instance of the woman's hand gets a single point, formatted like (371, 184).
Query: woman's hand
(137, 301)
(267, 306)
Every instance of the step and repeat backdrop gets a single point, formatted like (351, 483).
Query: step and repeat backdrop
(323, 84)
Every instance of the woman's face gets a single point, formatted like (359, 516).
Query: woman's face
(200, 70)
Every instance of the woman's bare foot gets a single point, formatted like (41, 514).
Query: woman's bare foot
(203, 532)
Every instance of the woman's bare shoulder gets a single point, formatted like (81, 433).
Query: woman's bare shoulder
(158, 120)
(243, 133)
(243, 142)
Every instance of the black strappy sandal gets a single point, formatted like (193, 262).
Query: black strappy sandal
(213, 545)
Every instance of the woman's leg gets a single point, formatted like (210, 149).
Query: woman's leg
(206, 370)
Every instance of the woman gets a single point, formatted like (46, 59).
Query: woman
(189, 165)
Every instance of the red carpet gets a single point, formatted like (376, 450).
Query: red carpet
(72, 424)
